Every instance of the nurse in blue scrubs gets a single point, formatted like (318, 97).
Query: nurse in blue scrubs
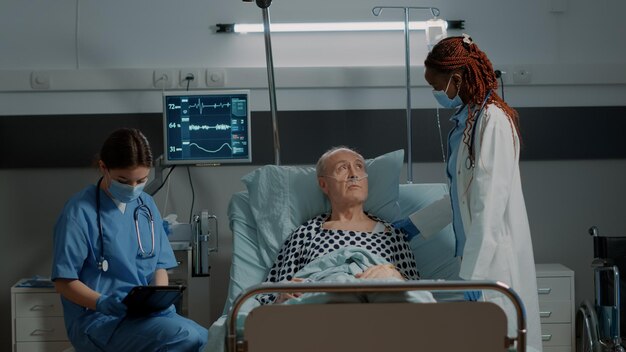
(107, 240)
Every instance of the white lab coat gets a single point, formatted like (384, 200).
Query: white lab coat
(498, 243)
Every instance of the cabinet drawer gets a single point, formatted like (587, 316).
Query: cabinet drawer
(555, 311)
(556, 334)
(38, 305)
(554, 288)
(181, 271)
(40, 329)
(42, 346)
(181, 255)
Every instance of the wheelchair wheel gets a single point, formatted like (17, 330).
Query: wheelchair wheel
(619, 348)
(587, 329)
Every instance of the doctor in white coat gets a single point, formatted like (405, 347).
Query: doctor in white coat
(489, 215)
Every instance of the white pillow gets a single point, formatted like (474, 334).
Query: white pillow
(284, 197)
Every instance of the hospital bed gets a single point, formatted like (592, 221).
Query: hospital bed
(280, 198)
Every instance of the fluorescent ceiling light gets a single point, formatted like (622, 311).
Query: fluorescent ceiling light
(332, 27)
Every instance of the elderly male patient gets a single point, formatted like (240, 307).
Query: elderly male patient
(366, 246)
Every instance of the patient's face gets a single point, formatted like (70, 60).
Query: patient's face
(345, 179)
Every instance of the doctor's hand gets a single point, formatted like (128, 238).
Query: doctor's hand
(110, 305)
(472, 295)
(382, 271)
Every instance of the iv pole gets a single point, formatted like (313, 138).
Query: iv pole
(407, 62)
(264, 5)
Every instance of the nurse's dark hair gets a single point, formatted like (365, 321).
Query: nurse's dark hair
(462, 55)
(126, 148)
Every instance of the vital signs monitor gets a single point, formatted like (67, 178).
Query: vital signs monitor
(206, 127)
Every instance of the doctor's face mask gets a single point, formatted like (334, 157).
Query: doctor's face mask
(444, 100)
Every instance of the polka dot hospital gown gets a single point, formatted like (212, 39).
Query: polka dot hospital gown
(310, 241)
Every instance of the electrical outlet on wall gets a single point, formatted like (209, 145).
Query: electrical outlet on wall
(40, 80)
(503, 74)
(522, 75)
(162, 79)
(215, 78)
(189, 78)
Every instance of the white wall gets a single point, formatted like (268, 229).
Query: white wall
(106, 66)
(161, 33)
(101, 56)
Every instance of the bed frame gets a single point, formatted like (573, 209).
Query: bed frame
(441, 326)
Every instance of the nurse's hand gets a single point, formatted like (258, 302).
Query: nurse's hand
(110, 305)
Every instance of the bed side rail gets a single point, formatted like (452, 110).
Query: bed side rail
(371, 287)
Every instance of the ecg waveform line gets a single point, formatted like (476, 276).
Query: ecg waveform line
(218, 127)
(200, 106)
(212, 151)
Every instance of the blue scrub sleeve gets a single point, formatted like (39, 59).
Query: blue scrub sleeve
(167, 260)
(70, 248)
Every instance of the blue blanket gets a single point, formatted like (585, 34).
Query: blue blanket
(339, 266)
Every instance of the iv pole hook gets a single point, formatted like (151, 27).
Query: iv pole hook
(376, 11)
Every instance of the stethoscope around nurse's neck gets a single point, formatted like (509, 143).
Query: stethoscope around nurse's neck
(470, 161)
(103, 264)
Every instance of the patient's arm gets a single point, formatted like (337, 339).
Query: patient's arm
(282, 297)
(382, 271)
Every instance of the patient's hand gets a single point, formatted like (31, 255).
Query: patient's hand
(282, 297)
(382, 271)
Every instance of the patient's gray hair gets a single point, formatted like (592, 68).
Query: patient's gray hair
(320, 168)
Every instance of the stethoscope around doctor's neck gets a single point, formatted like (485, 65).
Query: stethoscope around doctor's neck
(470, 162)
(141, 209)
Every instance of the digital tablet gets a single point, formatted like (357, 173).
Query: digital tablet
(144, 300)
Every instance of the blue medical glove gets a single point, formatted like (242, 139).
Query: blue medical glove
(110, 305)
(166, 227)
(472, 295)
(407, 226)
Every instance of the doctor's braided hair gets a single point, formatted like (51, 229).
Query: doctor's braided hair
(126, 148)
(462, 55)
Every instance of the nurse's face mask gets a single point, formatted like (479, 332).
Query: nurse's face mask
(123, 192)
(444, 100)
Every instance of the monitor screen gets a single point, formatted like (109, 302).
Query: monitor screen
(209, 127)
